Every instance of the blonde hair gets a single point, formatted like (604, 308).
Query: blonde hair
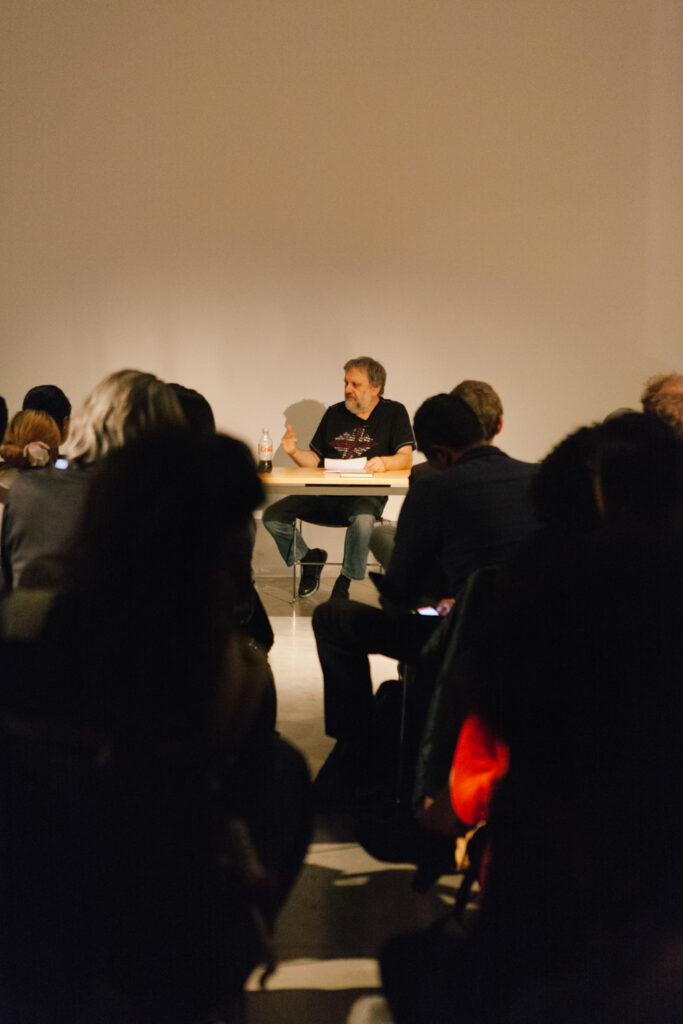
(120, 408)
(30, 428)
(485, 402)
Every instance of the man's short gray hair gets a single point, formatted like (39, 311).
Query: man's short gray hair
(377, 375)
(663, 397)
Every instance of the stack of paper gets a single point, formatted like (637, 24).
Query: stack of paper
(346, 465)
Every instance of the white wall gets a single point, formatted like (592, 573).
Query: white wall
(241, 195)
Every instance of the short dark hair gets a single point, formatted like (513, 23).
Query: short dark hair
(377, 375)
(50, 399)
(639, 465)
(446, 420)
(196, 409)
(562, 490)
(485, 402)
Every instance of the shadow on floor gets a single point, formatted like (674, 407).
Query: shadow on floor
(345, 903)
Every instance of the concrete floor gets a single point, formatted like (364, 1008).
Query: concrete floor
(345, 903)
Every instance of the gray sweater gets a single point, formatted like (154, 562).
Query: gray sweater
(41, 514)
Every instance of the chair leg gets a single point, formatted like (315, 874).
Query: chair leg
(298, 526)
(476, 848)
(406, 675)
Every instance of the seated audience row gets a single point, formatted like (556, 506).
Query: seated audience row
(611, 501)
(582, 905)
(577, 689)
(153, 819)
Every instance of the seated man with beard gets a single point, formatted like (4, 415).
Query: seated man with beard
(364, 424)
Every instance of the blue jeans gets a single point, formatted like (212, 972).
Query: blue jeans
(358, 515)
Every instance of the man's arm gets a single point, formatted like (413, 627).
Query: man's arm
(403, 459)
(302, 457)
(397, 440)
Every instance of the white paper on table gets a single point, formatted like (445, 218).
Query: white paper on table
(346, 465)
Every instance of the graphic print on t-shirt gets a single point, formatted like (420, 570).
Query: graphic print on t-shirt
(352, 444)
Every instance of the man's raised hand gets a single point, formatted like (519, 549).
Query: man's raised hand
(289, 440)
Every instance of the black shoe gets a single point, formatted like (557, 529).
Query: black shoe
(334, 784)
(401, 840)
(310, 574)
(342, 794)
(341, 783)
(341, 587)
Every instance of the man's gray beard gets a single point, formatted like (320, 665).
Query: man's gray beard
(352, 405)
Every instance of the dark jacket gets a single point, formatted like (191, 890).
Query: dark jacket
(470, 516)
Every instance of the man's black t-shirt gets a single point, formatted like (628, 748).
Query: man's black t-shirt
(343, 435)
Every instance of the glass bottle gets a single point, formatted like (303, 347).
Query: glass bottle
(265, 452)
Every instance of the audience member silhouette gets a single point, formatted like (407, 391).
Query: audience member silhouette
(583, 904)
(486, 403)
(614, 480)
(188, 814)
(200, 419)
(584, 891)
(638, 477)
(563, 497)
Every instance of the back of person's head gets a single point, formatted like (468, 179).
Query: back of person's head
(32, 439)
(52, 400)
(562, 491)
(122, 407)
(163, 564)
(663, 397)
(140, 507)
(485, 402)
(587, 660)
(446, 421)
(377, 375)
(3, 416)
(196, 409)
(638, 466)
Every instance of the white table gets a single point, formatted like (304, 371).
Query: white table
(285, 480)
